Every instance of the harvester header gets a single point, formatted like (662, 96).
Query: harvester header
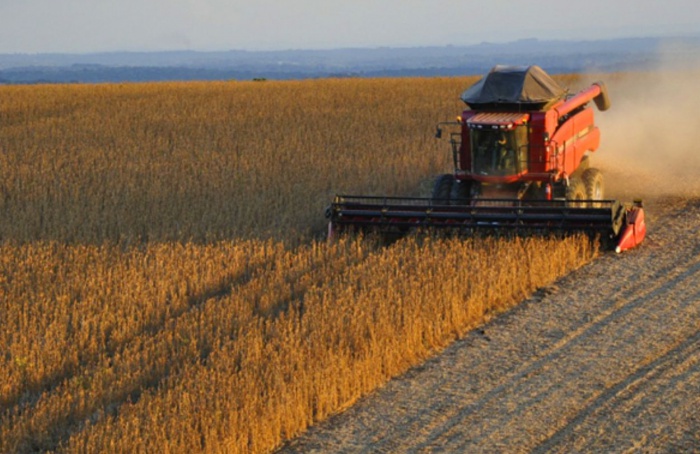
(521, 157)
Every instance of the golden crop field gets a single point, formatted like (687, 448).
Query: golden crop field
(164, 281)
(207, 161)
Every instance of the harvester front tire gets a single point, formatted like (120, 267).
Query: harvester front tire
(576, 191)
(595, 187)
(443, 188)
(461, 193)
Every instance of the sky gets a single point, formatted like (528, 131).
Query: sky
(86, 26)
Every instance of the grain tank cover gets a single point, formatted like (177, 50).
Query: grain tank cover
(514, 88)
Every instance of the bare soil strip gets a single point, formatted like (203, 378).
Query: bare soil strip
(605, 360)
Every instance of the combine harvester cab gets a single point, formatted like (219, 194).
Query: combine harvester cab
(521, 153)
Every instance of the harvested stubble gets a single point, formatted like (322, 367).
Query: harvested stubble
(140, 312)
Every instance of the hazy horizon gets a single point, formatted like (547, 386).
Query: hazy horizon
(83, 26)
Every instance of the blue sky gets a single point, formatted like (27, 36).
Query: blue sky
(34, 26)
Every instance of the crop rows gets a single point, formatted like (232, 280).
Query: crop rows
(209, 161)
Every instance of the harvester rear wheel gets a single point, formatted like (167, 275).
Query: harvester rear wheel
(576, 191)
(595, 188)
(443, 188)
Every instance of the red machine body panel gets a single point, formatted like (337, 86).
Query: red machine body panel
(634, 231)
(576, 136)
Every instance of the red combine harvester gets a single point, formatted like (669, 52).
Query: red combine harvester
(521, 159)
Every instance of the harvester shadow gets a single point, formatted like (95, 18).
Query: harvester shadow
(61, 428)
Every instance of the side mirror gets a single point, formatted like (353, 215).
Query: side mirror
(438, 133)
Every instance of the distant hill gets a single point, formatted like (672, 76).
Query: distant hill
(555, 56)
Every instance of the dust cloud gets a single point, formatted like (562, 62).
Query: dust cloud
(650, 137)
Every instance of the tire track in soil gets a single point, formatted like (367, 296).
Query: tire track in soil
(527, 385)
(637, 396)
(604, 359)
